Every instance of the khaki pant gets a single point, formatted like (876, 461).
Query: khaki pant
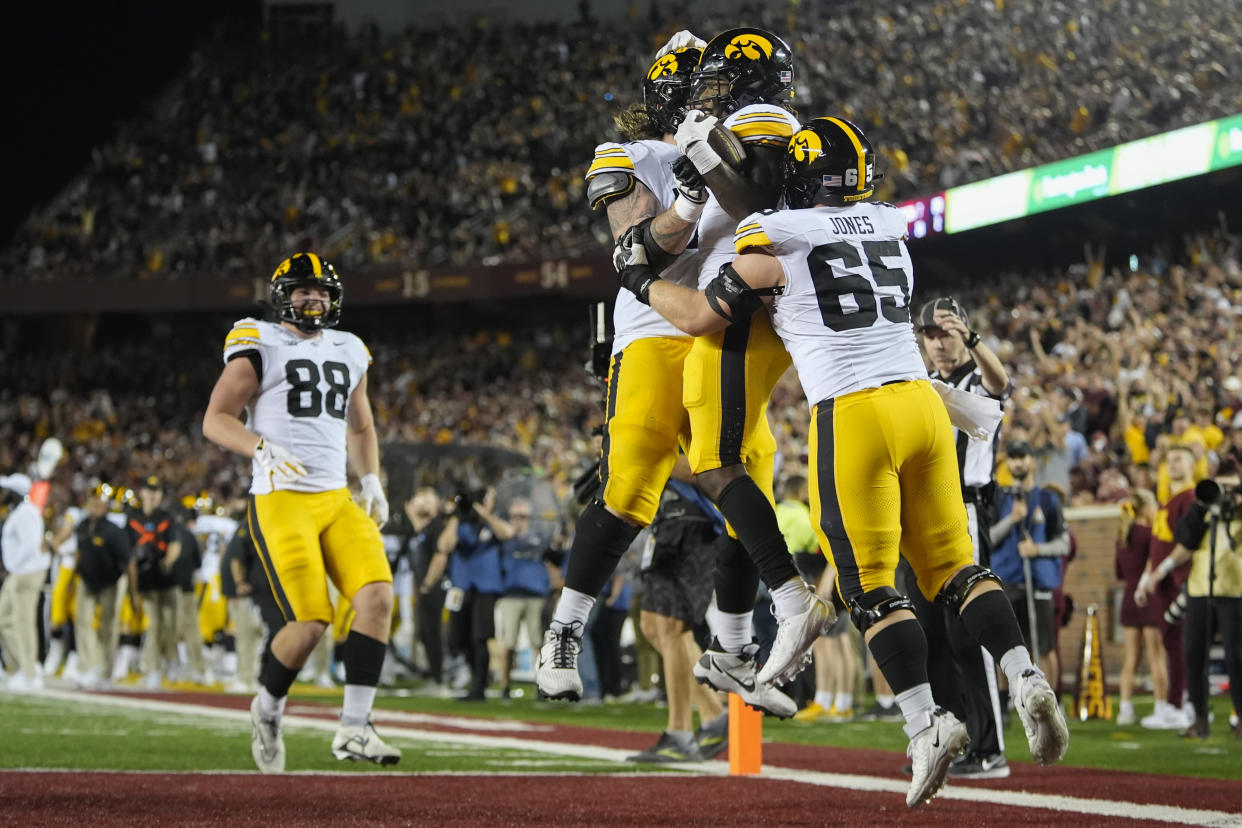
(19, 601)
(159, 644)
(97, 645)
(187, 631)
(248, 630)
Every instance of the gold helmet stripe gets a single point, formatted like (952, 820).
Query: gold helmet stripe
(858, 148)
(316, 265)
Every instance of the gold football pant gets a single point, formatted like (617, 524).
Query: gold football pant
(729, 378)
(60, 612)
(303, 538)
(884, 482)
(645, 423)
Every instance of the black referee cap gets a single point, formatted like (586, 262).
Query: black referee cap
(927, 315)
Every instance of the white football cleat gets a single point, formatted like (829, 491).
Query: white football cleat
(794, 636)
(267, 743)
(1042, 717)
(363, 743)
(931, 751)
(736, 673)
(556, 676)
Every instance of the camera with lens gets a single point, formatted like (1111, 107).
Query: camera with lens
(1220, 500)
(464, 501)
(1177, 609)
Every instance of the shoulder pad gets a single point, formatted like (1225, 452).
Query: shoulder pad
(751, 233)
(605, 186)
(610, 158)
(244, 334)
(762, 124)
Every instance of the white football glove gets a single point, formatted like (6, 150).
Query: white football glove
(684, 39)
(374, 503)
(628, 251)
(691, 140)
(279, 464)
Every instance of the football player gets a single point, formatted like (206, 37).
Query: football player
(304, 384)
(741, 90)
(836, 273)
(640, 185)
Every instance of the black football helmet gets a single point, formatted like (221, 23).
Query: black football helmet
(302, 270)
(829, 161)
(667, 86)
(740, 67)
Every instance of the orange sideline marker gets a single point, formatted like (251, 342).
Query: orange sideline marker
(745, 738)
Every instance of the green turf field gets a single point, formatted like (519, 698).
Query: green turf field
(50, 733)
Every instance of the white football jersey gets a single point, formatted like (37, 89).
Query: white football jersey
(651, 163)
(68, 549)
(757, 124)
(214, 533)
(845, 314)
(304, 389)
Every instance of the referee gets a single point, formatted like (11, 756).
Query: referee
(962, 672)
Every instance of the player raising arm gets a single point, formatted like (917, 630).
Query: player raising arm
(303, 388)
(836, 273)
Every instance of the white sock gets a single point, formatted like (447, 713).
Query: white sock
(1016, 662)
(356, 708)
(573, 606)
(823, 699)
(271, 707)
(885, 701)
(917, 705)
(1127, 706)
(844, 701)
(733, 630)
(791, 597)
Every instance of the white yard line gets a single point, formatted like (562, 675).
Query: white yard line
(1018, 799)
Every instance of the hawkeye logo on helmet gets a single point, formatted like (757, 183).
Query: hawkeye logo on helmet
(665, 66)
(749, 46)
(806, 146)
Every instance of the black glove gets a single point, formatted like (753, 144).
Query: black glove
(690, 181)
(638, 279)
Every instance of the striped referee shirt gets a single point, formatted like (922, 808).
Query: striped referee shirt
(976, 459)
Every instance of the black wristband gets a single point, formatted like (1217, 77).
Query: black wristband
(638, 279)
(972, 340)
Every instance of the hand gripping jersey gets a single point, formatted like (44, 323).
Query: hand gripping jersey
(754, 125)
(845, 313)
(649, 162)
(304, 388)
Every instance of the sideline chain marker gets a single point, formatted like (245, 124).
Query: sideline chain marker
(1091, 701)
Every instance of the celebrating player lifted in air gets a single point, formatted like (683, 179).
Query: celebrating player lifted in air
(303, 387)
(663, 382)
(837, 276)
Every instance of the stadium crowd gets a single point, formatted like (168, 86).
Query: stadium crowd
(466, 143)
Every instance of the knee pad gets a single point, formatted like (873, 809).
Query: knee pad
(953, 594)
(874, 604)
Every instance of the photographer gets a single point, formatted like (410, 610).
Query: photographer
(475, 572)
(1030, 532)
(1214, 590)
(430, 542)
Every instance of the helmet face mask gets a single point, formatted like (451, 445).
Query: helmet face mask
(740, 67)
(829, 161)
(306, 270)
(666, 87)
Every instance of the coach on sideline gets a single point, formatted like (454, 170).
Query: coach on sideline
(962, 672)
(26, 563)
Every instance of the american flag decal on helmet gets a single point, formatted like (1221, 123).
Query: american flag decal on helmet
(832, 181)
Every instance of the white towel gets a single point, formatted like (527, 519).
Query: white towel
(977, 416)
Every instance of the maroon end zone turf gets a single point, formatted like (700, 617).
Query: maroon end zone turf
(130, 799)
